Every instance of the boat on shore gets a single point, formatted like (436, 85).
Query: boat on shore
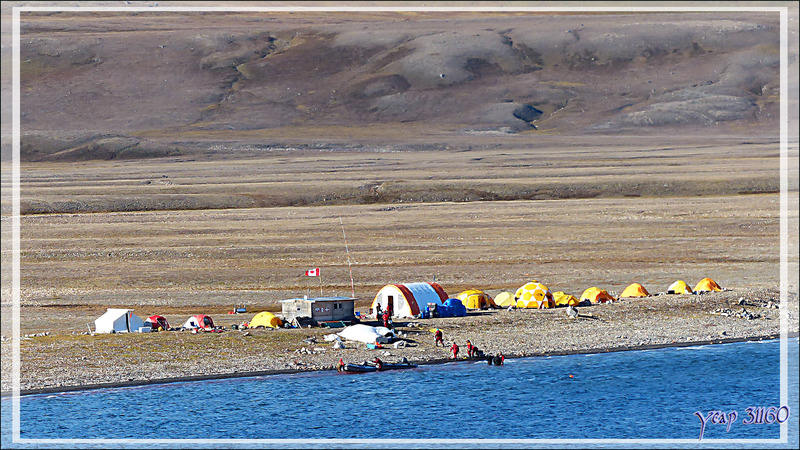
(371, 367)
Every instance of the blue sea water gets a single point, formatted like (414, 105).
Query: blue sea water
(644, 398)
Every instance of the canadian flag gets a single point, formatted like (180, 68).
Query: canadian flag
(312, 272)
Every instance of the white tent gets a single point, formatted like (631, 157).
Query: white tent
(364, 333)
(118, 321)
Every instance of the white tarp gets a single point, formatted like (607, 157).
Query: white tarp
(383, 331)
(363, 333)
(118, 321)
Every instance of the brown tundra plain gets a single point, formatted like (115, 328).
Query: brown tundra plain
(214, 162)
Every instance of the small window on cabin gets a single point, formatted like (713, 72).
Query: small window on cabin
(298, 308)
(335, 305)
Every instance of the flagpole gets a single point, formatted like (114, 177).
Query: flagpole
(352, 285)
(319, 275)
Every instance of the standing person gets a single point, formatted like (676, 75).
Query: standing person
(340, 365)
(378, 312)
(390, 308)
(386, 319)
(502, 358)
(438, 338)
(454, 348)
(470, 349)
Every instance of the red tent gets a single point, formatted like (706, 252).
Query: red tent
(205, 320)
(157, 321)
(199, 321)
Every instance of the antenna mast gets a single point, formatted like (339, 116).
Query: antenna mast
(352, 285)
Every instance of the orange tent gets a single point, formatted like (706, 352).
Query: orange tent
(707, 285)
(534, 295)
(563, 299)
(679, 287)
(596, 295)
(635, 290)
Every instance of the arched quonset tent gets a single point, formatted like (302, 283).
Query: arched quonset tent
(679, 287)
(157, 322)
(707, 285)
(534, 295)
(596, 295)
(476, 299)
(563, 299)
(199, 321)
(265, 319)
(409, 300)
(452, 308)
(118, 321)
(504, 299)
(634, 290)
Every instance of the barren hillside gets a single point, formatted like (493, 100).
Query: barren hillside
(121, 85)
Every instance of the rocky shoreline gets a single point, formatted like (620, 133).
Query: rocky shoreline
(61, 362)
(179, 379)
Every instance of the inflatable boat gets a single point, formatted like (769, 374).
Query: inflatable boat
(370, 367)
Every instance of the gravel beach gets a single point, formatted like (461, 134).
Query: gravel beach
(66, 360)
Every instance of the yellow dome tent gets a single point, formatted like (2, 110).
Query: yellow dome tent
(265, 319)
(534, 295)
(679, 287)
(596, 295)
(635, 290)
(563, 299)
(707, 285)
(504, 299)
(476, 299)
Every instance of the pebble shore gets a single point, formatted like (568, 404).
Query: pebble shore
(63, 361)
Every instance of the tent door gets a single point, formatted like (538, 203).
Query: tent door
(390, 301)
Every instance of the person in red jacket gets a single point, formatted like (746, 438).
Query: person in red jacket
(470, 349)
(454, 348)
(386, 319)
(438, 337)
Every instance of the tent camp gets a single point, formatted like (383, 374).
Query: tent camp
(679, 287)
(118, 321)
(409, 300)
(156, 322)
(365, 333)
(265, 319)
(634, 290)
(504, 299)
(707, 285)
(596, 295)
(476, 299)
(534, 295)
(563, 299)
(199, 321)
